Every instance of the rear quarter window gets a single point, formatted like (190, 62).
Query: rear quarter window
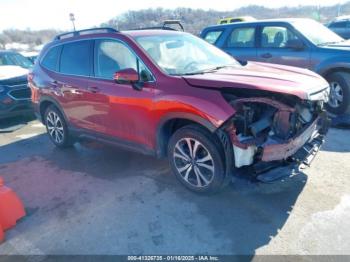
(212, 36)
(50, 60)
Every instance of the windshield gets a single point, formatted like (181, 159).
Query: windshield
(15, 60)
(181, 54)
(317, 33)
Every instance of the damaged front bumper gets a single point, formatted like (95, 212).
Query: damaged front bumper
(302, 158)
(273, 161)
(315, 131)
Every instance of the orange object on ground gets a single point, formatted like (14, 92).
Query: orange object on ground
(11, 209)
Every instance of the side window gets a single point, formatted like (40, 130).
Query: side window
(111, 56)
(50, 61)
(212, 36)
(242, 37)
(341, 24)
(75, 58)
(235, 20)
(276, 36)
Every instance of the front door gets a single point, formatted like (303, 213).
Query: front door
(273, 47)
(126, 114)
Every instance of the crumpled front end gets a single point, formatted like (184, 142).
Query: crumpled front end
(267, 131)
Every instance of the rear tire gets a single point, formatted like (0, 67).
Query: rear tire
(339, 98)
(196, 160)
(56, 128)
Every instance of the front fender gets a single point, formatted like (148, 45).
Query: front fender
(207, 107)
(332, 63)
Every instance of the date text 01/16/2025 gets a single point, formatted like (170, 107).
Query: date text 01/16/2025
(173, 258)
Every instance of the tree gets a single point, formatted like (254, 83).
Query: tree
(4, 39)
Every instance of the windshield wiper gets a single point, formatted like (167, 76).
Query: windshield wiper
(330, 43)
(206, 70)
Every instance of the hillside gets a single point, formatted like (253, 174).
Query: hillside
(193, 19)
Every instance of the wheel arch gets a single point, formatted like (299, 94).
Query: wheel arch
(45, 102)
(172, 122)
(326, 73)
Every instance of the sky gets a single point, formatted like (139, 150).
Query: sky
(41, 14)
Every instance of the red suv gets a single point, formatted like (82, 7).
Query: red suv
(169, 93)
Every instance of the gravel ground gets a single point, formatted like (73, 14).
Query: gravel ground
(94, 199)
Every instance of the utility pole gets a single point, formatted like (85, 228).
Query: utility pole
(339, 9)
(72, 19)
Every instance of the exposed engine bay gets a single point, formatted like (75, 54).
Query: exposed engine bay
(265, 129)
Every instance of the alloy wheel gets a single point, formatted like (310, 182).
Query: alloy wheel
(194, 162)
(336, 96)
(55, 127)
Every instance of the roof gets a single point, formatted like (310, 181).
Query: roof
(150, 32)
(341, 18)
(6, 52)
(165, 29)
(280, 20)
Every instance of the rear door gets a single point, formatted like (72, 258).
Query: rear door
(80, 104)
(241, 43)
(273, 40)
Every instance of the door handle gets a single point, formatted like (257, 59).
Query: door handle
(266, 55)
(93, 89)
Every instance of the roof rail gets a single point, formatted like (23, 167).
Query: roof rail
(173, 22)
(164, 26)
(86, 32)
(155, 28)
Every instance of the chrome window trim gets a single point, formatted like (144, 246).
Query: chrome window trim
(92, 39)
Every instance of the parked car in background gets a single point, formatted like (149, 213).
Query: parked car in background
(295, 42)
(14, 91)
(30, 55)
(341, 26)
(230, 20)
(169, 93)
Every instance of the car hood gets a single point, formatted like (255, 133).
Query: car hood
(262, 76)
(341, 46)
(8, 72)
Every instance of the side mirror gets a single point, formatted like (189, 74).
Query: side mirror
(128, 76)
(295, 44)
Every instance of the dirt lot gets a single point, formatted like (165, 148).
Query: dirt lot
(94, 199)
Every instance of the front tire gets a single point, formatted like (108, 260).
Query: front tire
(195, 157)
(339, 98)
(56, 128)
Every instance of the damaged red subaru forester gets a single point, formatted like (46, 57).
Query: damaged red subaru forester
(169, 93)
